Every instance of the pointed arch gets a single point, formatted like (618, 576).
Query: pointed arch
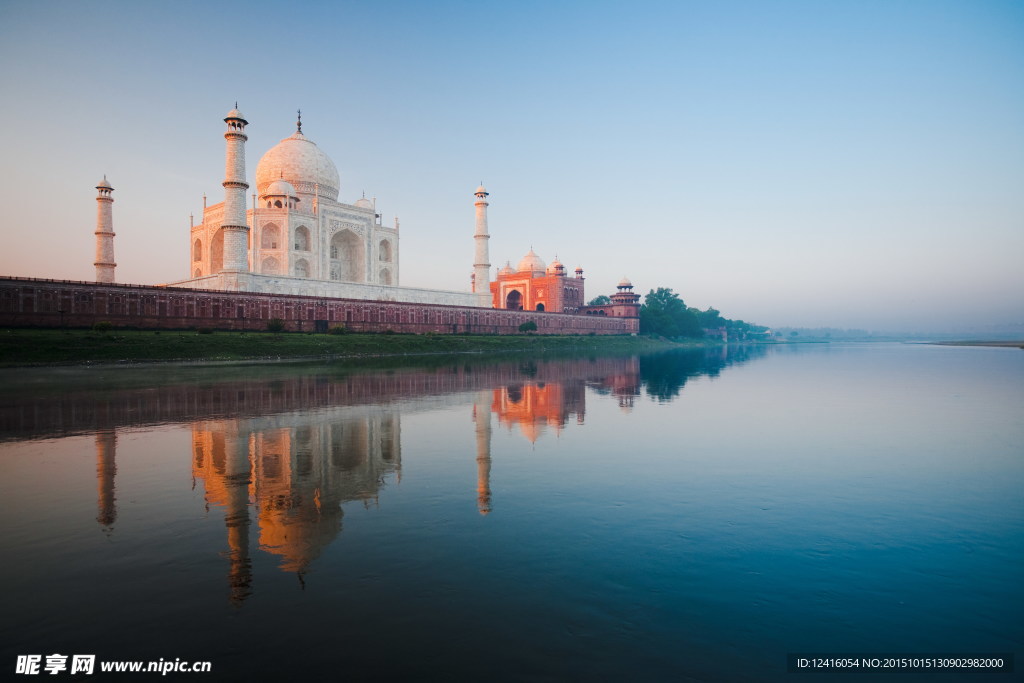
(217, 252)
(270, 236)
(385, 276)
(270, 266)
(302, 268)
(197, 250)
(385, 251)
(514, 300)
(302, 238)
(348, 257)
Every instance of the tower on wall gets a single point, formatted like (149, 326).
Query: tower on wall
(481, 265)
(104, 232)
(234, 224)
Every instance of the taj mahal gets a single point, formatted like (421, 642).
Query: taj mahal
(298, 238)
(300, 255)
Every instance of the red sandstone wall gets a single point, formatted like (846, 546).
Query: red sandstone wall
(55, 303)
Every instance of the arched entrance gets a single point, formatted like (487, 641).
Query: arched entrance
(348, 257)
(540, 307)
(514, 301)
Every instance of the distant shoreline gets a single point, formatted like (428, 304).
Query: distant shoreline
(1008, 344)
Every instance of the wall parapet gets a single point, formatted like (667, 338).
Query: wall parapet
(31, 302)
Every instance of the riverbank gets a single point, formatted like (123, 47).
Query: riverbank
(1010, 344)
(44, 347)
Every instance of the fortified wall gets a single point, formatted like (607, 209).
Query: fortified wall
(27, 302)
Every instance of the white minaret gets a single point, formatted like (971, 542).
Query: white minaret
(236, 230)
(104, 232)
(482, 266)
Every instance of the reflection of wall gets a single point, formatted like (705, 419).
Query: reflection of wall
(295, 470)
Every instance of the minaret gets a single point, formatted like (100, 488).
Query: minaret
(236, 229)
(104, 232)
(482, 266)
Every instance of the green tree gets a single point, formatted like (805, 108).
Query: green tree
(665, 314)
(528, 326)
(602, 300)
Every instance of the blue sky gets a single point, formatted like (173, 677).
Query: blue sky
(847, 164)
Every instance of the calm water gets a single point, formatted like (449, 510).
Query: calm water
(676, 517)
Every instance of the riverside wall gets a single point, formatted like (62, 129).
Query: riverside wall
(28, 302)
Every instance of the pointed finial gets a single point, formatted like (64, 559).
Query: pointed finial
(299, 122)
(236, 104)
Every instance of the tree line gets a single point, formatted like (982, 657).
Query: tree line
(664, 314)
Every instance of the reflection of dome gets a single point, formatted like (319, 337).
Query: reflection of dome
(531, 262)
(299, 161)
(280, 188)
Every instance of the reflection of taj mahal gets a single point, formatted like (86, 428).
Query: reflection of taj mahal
(295, 471)
(282, 479)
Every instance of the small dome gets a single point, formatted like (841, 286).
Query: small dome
(364, 203)
(556, 267)
(481, 190)
(235, 114)
(624, 283)
(279, 188)
(532, 263)
(103, 184)
(506, 269)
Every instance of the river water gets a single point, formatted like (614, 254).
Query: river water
(681, 516)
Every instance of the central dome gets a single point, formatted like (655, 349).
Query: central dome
(300, 162)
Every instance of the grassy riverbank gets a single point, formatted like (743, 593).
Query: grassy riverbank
(24, 347)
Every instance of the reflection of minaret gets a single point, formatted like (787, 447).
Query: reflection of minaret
(234, 455)
(106, 469)
(482, 417)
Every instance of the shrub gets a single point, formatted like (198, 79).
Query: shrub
(275, 325)
(205, 330)
(102, 326)
(337, 329)
(389, 331)
(528, 326)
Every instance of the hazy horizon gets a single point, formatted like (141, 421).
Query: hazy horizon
(793, 164)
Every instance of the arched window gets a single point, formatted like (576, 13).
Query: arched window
(540, 307)
(270, 266)
(385, 251)
(198, 273)
(197, 250)
(270, 236)
(217, 252)
(277, 204)
(302, 238)
(385, 276)
(302, 268)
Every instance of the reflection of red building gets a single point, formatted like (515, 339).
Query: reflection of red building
(534, 287)
(535, 406)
